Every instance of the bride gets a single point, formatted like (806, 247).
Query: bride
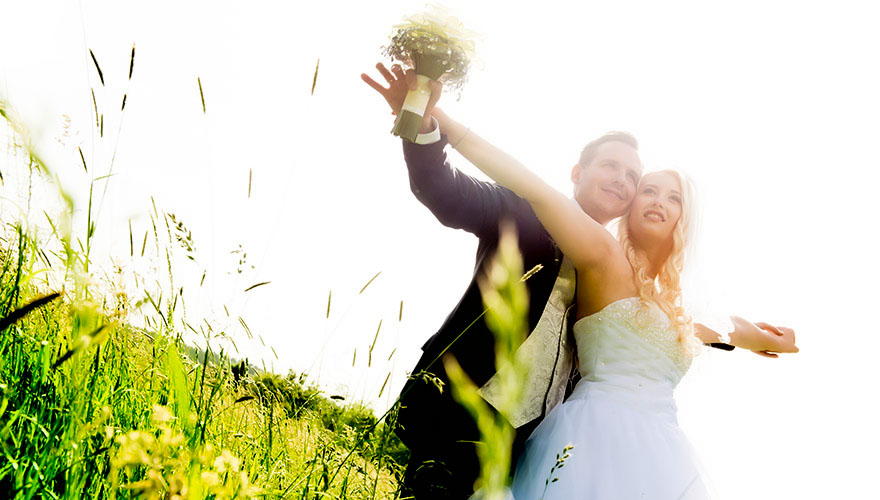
(617, 436)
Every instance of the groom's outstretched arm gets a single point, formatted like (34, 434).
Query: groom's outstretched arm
(456, 199)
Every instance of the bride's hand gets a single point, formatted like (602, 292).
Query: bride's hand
(781, 338)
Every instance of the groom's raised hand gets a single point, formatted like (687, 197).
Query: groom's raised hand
(398, 86)
(399, 83)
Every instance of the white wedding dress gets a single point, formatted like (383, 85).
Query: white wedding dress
(621, 418)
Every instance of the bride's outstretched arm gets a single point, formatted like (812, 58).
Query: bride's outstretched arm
(760, 338)
(583, 240)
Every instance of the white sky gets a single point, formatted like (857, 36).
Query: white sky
(771, 106)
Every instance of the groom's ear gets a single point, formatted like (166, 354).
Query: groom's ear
(576, 173)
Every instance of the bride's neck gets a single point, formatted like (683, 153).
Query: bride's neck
(652, 259)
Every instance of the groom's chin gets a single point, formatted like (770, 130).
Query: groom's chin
(604, 210)
(613, 206)
(615, 210)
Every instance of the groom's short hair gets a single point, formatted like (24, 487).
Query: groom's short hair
(589, 151)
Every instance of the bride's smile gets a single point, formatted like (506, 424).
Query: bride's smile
(656, 209)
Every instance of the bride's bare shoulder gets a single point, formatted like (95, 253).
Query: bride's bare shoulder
(604, 281)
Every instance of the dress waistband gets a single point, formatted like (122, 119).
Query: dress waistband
(646, 396)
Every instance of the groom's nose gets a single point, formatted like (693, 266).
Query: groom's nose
(619, 180)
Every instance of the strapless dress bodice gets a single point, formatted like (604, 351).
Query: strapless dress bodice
(631, 344)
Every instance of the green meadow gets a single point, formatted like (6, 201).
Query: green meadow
(95, 407)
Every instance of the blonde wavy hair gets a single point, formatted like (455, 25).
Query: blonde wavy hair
(665, 289)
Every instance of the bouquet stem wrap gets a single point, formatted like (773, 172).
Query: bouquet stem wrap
(410, 118)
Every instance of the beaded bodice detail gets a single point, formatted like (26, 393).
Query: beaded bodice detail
(633, 341)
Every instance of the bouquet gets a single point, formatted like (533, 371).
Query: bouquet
(435, 47)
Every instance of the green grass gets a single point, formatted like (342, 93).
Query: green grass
(94, 407)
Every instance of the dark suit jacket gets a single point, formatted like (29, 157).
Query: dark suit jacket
(429, 419)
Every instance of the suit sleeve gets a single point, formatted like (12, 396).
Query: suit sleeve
(456, 199)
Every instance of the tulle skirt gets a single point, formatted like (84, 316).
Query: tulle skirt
(626, 445)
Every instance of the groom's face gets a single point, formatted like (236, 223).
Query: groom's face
(605, 187)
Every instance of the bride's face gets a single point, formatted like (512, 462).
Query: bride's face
(656, 209)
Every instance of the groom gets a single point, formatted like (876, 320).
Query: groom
(440, 434)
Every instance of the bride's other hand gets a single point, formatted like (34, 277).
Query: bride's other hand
(399, 83)
(763, 339)
(784, 338)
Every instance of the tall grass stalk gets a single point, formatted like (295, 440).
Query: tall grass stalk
(506, 300)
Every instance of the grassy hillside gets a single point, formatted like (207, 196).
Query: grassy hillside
(94, 407)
